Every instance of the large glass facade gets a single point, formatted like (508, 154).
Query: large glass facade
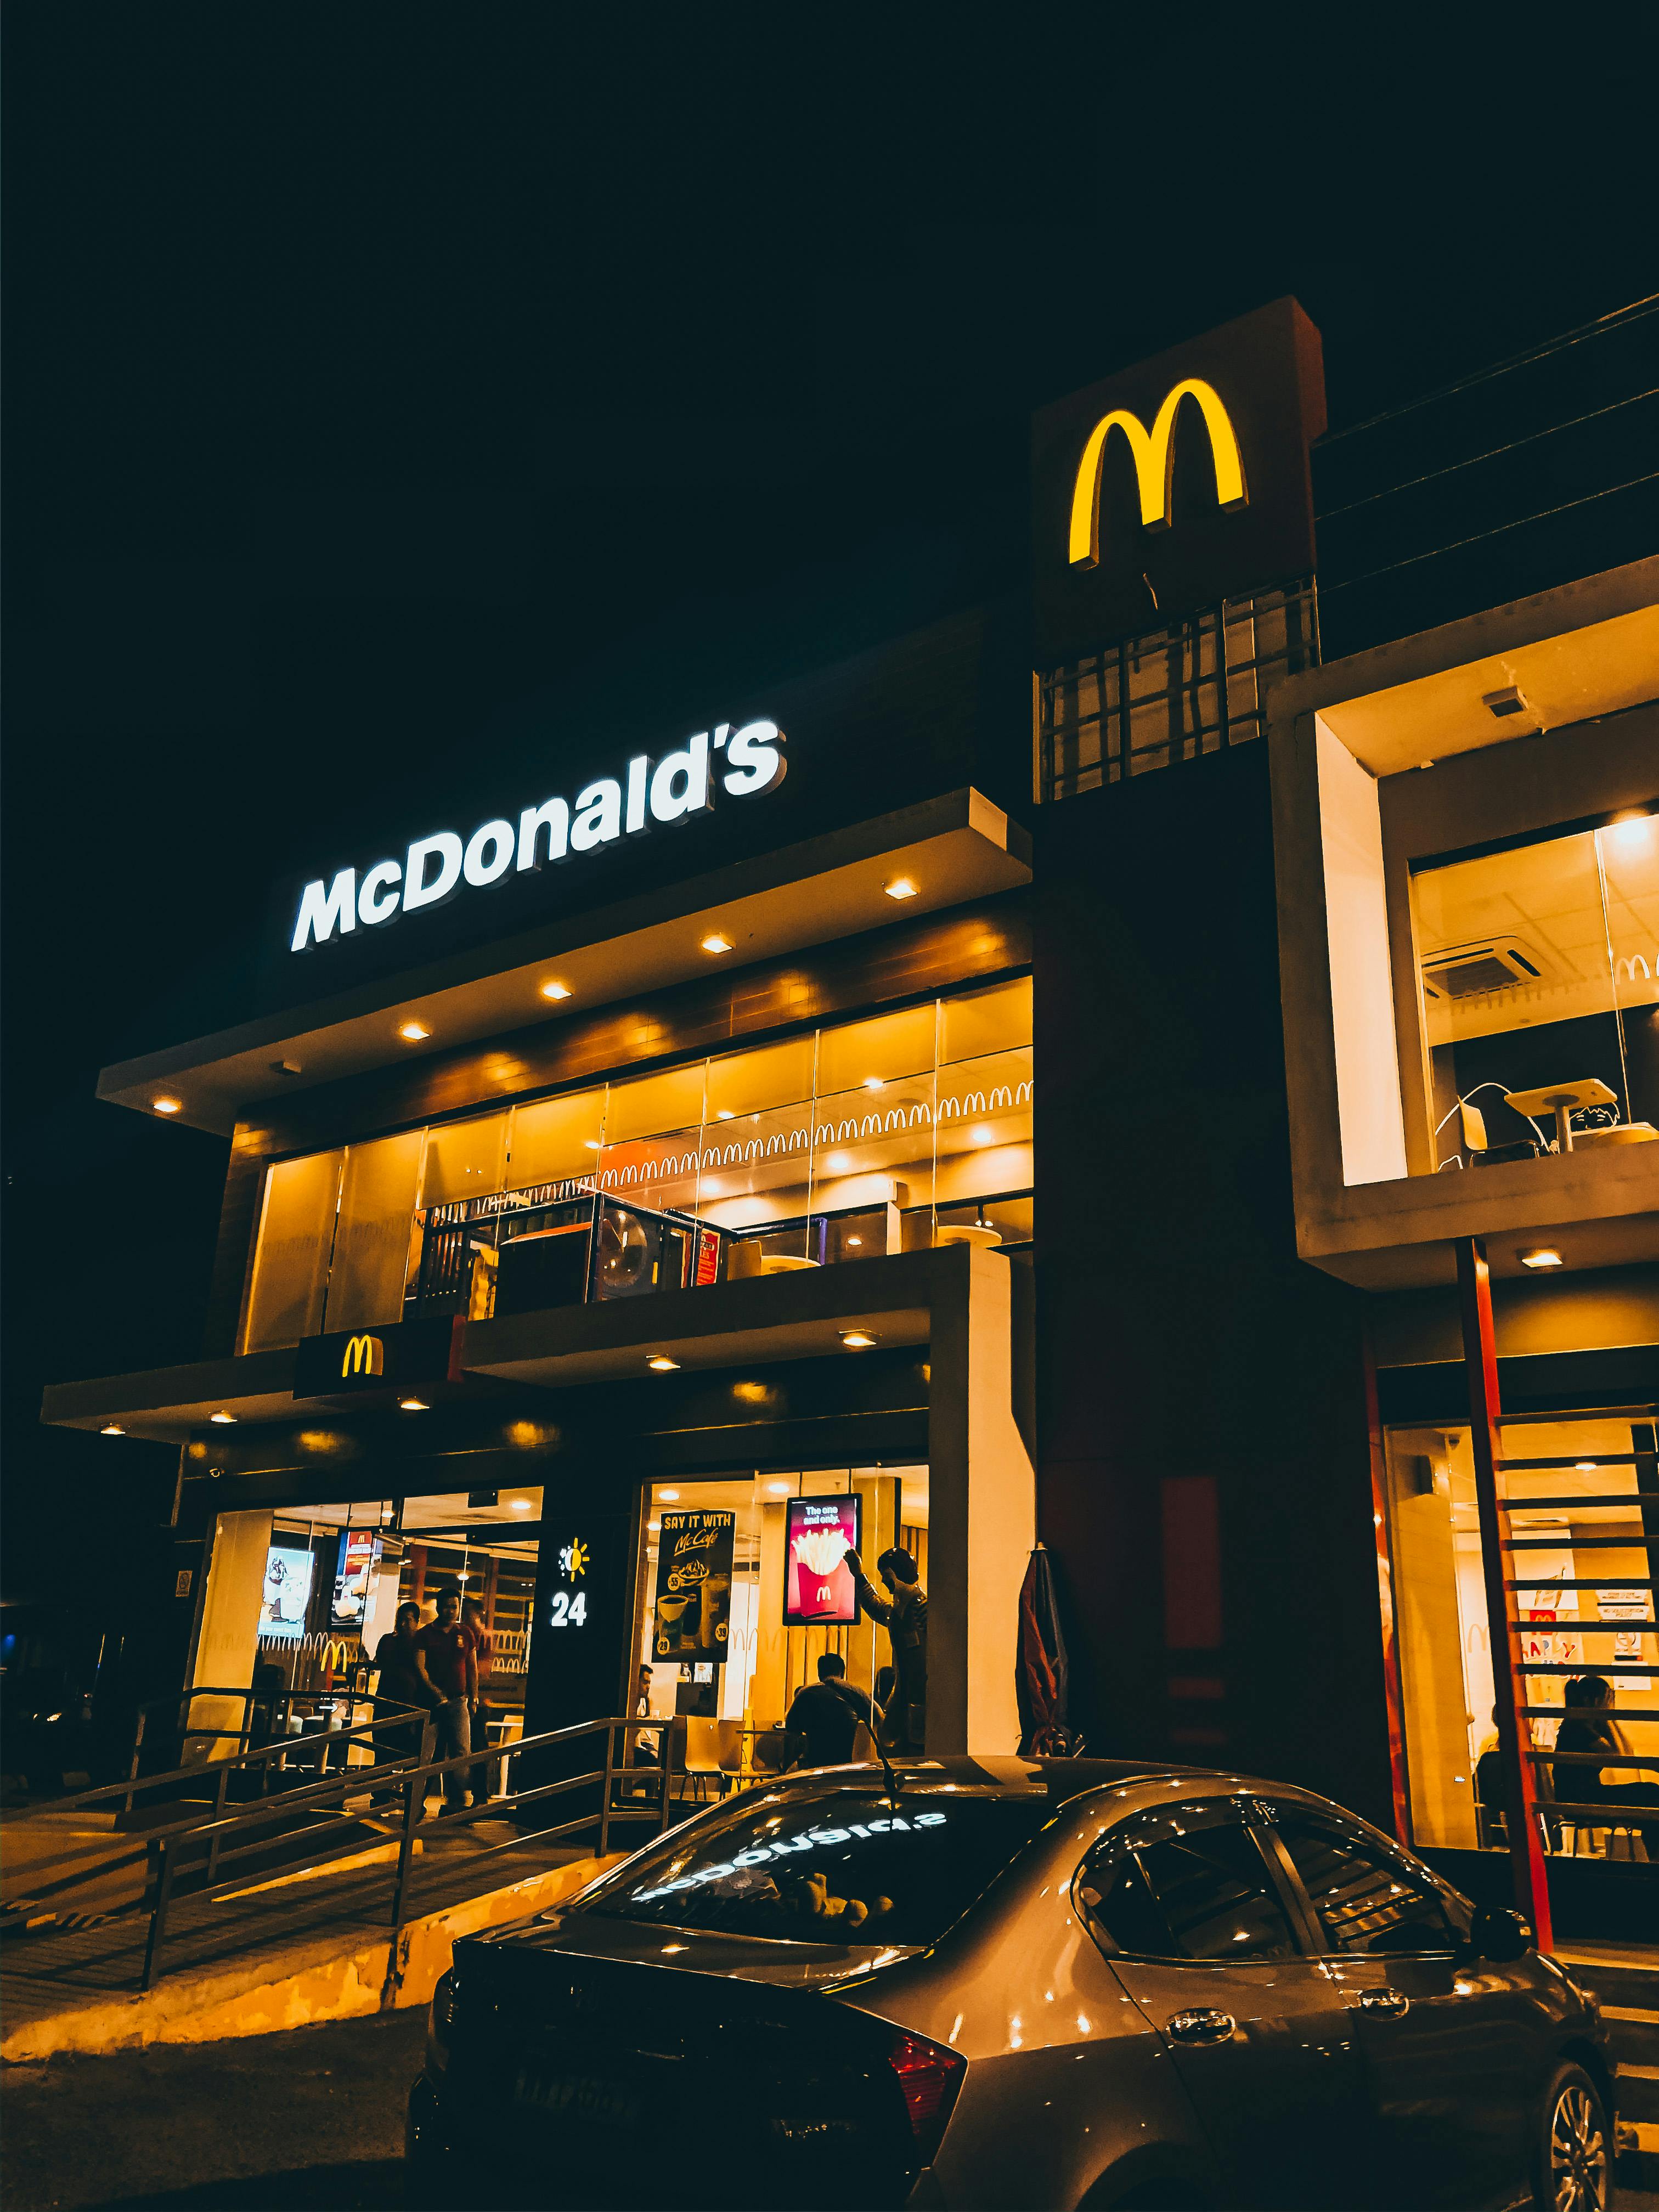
(1582, 1493)
(885, 1134)
(1538, 969)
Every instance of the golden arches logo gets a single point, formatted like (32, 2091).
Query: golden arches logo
(1154, 460)
(364, 1355)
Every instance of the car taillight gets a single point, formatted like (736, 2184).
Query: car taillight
(928, 2078)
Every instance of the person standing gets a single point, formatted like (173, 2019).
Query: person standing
(447, 1650)
(483, 1660)
(903, 1614)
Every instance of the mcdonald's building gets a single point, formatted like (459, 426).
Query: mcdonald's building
(1164, 1065)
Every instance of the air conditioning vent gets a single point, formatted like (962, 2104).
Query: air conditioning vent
(1463, 971)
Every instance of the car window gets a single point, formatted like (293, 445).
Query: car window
(827, 1865)
(1365, 1898)
(1185, 1882)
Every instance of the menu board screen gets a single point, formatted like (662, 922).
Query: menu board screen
(287, 1591)
(354, 1578)
(818, 1589)
(694, 1584)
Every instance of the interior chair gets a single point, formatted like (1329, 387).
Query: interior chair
(702, 1754)
(728, 1738)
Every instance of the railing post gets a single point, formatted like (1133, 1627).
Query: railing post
(132, 1770)
(413, 1804)
(218, 1815)
(671, 1738)
(158, 1919)
(605, 1801)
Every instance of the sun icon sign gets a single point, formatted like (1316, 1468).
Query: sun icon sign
(574, 1557)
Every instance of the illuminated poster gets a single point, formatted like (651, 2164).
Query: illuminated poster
(818, 1589)
(354, 1578)
(694, 1583)
(287, 1592)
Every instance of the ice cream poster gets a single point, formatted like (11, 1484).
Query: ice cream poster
(818, 1589)
(694, 1584)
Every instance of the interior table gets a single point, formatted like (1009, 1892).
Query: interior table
(1563, 1100)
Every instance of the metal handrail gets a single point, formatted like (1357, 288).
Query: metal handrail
(180, 1703)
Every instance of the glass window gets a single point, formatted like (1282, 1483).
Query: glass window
(984, 1117)
(556, 1140)
(1583, 1560)
(290, 1272)
(876, 1051)
(873, 1144)
(1539, 968)
(981, 1022)
(835, 1865)
(1365, 1897)
(464, 1159)
(753, 1082)
(655, 1104)
(371, 1245)
(1187, 1882)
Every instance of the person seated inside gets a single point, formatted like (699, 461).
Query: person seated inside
(1589, 1728)
(827, 1714)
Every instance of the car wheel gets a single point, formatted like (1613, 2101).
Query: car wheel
(1573, 2153)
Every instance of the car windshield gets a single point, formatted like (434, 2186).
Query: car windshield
(835, 1866)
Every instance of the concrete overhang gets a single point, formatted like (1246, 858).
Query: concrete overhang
(1584, 650)
(954, 848)
(758, 1321)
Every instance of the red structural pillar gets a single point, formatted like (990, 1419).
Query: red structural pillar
(1509, 1684)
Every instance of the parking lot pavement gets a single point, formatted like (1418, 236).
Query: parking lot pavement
(311, 2121)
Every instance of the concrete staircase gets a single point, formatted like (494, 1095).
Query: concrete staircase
(1626, 1979)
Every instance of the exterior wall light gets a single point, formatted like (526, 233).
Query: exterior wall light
(857, 1339)
(1545, 1255)
(901, 887)
(167, 1105)
(556, 990)
(714, 942)
(660, 1364)
(413, 1032)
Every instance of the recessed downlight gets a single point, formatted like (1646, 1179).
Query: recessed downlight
(781, 1489)
(724, 1113)
(556, 990)
(112, 1429)
(901, 887)
(670, 1495)
(661, 1363)
(413, 1032)
(414, 1405)
(857, 1339)
(167, 1104)
(1541, 1256)
(225, 1420)
(716, 941)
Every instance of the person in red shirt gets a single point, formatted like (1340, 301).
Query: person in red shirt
(452, 1667)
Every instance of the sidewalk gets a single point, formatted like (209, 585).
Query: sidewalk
(302, 1951)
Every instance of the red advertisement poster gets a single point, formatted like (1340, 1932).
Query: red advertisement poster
(818, 1589)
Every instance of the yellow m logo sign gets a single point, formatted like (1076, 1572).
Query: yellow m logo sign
(364, 1355)
(1154, 460)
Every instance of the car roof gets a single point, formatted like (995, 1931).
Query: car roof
(1008, 1774)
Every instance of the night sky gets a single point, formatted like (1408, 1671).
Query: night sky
(383, 381)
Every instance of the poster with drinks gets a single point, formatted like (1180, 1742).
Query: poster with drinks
(694, 1584)
(818, 1589)
(354, 1578)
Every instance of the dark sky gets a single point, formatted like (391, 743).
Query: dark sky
(381, 377)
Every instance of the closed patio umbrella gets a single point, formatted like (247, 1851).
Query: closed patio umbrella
(1040, 1669)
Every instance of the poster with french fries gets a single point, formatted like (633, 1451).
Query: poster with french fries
(818, 1589)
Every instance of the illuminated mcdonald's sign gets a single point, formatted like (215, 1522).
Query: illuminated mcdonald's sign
(1153, 453)
(363, 1355)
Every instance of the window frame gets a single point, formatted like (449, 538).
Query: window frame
(1349, 1830)
(1237, 1810)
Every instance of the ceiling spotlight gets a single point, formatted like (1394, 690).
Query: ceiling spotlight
(669, 1496)
(857, 1339)
(1633, 831)
(855, 1240)
(225, 1420)
(519, 1506)
(414, 1405)
(715, 943)
(556, 990)
(982, 1135)
(1546, 1255)
(1502, 704)
(872, 1083)
(592, 1144)
(413, 1032)
(661, 1363)
(723, 1113)
(901, 887)
(167, 1105)
(781, 1489)
(112, 1429)
(1583, 1467)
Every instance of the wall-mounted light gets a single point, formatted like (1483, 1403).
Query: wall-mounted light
(857, 1339)
(661, 1363)
(901, 887)
(556, 990)
(413, 1032)
(414, 1405)
(714, 942)
(225, 1420)
(112, 1429)
(1543, 1256)
(167, 1104)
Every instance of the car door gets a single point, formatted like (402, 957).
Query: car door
(1450, 2045)
(1206, 1938)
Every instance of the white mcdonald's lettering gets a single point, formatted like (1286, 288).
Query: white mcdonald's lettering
(1154, 460)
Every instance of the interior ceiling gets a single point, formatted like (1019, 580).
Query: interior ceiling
(1599, 670)
(1546, 902)
(814, 1482)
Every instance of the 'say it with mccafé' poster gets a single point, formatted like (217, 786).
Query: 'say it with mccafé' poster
(694, 1584)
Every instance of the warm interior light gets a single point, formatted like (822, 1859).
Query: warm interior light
(781, 1489)
(593, 1143)
(723, 1113)
(855, 1240)
(1634, 831)
(414, 1031)
(661, 1363)
(900, 887)
(836, 1161)
(1583, 1467)
(872, 1083)
(519, 1506)
(1545, 1256)
(223, 1417)
(982, 1135)
(164, 1105)
(669, 1496)
(113, 1429)
(556, 990)
(414, 1405)
(856, 1339)
(715, 943)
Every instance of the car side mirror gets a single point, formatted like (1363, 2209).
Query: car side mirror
(1498, 1932)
